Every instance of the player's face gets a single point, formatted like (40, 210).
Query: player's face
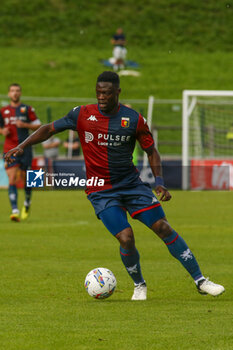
(107, 95)
(14, 93)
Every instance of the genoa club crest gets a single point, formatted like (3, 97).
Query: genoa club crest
(124, 122)
(22, 109)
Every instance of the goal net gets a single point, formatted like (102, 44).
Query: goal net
(207, 140)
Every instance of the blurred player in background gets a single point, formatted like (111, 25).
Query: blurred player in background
(108, 132)
(72, 145)
(119, 50)
(16, 120)
(51, 147)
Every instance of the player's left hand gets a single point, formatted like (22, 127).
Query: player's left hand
(20, 124)
(163, 193)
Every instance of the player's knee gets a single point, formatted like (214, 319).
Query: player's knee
(126, 238)
(12, 180)
(162, 228)
(12, 176)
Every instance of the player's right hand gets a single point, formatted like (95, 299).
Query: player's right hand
(5, 131)
(14, 152)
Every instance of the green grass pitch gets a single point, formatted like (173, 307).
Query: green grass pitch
(43, 264)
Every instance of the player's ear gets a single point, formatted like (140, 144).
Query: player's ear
(119, 91)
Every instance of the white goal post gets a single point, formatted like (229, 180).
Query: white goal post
(207, 118)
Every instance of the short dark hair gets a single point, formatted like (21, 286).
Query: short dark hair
(109, 77)
(14, 84)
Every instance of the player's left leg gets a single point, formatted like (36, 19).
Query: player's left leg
(179, 249)
(27, 202)
(155, 219)
(115, 220)
(25, 164)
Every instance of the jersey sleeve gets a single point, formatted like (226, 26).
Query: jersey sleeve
(68, 122)
(31, 114)
(143, 134)
(1, 121)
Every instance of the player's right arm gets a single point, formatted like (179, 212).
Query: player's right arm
(40, 135)
(3, 131)
(45, 132)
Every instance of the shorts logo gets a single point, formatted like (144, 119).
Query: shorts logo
(35, 178)
(124, 122)
(88, 137)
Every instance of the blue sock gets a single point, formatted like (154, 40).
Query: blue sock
(179, 249)
(130, 259)
(12, 192)
(28, 194)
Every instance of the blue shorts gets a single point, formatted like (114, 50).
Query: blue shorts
(24, 161)
(111, 206)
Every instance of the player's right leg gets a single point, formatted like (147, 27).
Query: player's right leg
(115, 220)
(12, 191)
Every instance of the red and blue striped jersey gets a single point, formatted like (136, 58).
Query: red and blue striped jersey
(8, 117)
(108, 143)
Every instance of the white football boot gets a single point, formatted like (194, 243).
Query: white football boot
(140, 292)
(207, 287)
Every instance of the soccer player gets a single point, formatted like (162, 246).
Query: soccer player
(119, 51)
(108, 131)
(16, 120)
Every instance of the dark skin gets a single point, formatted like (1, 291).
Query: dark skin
(108, 99)
(107, 95)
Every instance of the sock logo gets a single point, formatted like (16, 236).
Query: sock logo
(132, 269)
(187, 254)
(12, 196)
(35, 178)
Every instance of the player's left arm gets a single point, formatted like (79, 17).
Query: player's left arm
(156, 168)
(33, 124)
(146, 141)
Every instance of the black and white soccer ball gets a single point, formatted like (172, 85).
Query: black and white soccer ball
(100, 283)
